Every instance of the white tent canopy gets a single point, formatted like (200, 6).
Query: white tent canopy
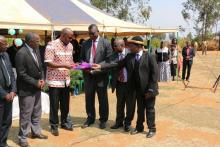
(57, 14)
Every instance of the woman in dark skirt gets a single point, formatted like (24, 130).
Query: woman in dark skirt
(174, 57)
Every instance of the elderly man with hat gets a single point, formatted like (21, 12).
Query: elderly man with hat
(142, 78)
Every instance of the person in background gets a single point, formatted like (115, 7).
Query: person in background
(112, 43)
(163, 60)
(119, 82)
(96, 50)
(188, 54)
(195, 45)
(7, 92)
(204, 47)
(174, 58)
(76, 50)
(12, 50)
(59, 58)
(30, 82)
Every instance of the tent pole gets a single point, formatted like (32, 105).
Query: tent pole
(45, 37)
(52, 33)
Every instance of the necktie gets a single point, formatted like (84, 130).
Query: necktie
(121, 76)
(93, 50)
(137, 57)
(5, 71)
(35, 57)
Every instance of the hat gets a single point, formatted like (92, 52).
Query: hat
(136, 40)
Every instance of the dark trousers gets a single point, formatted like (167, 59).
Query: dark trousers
(59, 97)
(5, 121)
(30, 115)
(173, 69)
(187, 65)
(148, 106)
(124, 98)
(91, 87)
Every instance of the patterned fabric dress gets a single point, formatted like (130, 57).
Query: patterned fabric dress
(163, 56)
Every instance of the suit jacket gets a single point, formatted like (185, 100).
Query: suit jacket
(103, 54)
(115, 71)
(191, 53)
(148, 71)
(3, 88)
(28, 72)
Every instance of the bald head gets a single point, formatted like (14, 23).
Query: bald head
(66, 35)
(33, 40)
(119, 45)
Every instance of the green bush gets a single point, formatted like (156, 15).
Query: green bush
(75, 76)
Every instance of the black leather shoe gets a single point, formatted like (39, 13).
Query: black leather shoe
(24, 144)
(150, 134)
(55, 132)
(135, 131)
(41, 136)
(127, 128)
(102, 125)
(86, 124)
(116, 126)
(65, 127)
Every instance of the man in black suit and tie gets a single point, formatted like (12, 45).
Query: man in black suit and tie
(96, 50)
(188, 54)
(119, 82)
(30, 81)
(7, 92)
(142, 80)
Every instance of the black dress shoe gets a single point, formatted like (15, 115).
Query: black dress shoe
(24, 144)
(67, 127)
(55, 132)
(116, 126)
(127, 128)
(150, 134)
(135, 131)
(87, 124)
(41, 136)
(102, 125)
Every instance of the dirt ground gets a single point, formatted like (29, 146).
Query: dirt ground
(184, 117)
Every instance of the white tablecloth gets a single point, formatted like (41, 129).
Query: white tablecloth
(45, 102)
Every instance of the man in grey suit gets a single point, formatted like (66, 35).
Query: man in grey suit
(7, 92)
(119, 82)
(96, 50)
(30, 81)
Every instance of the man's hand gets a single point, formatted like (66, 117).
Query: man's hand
(42, 84)
(8, 97)
(13, 94)
(96, 66)
(148, 95)
(67, 66)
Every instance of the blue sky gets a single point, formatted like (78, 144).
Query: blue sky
(167, 14)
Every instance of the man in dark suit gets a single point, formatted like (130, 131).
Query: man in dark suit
(188, 54)
(7, 92)
(96, 50)
(119, 82)
(142, 80)
(30, 81)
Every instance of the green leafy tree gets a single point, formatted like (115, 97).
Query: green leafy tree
(204, 13)
(137, 11)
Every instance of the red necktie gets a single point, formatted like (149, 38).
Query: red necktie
(121, 76)
(93, 50)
